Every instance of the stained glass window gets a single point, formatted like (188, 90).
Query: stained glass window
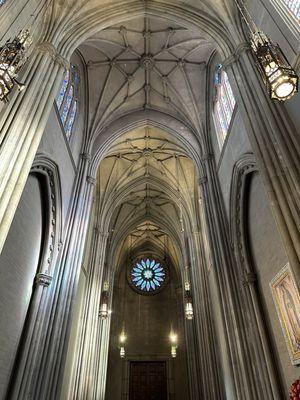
(148, 275)
(71, 120)
(224, 104)
(294, 7)
(63, 89)
(66, 101)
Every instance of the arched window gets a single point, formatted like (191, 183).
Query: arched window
(224, 103)
(66, 100)
(294, 7)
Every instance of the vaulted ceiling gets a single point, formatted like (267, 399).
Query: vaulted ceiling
(147, 183)
(147, 63)
(147, 194)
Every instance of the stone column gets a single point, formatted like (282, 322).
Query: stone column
(39, 370)
(22, 124)
(212, 387)
(89, 365)
(65, 286)
(267, 384)
(223, 265)
(276, 145)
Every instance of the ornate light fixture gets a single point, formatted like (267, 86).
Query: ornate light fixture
(122, 352)
(174, 351)
(189, 311)
(173, 339)
(104, 311)
(12, 58)
(278, 75)
(122, 337)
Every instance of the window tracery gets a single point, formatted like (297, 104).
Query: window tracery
(148, 275)
(66, 100)
(224, 104)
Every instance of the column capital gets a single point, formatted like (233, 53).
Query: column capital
(43, 279)
(91, 180)
(202, 180)
(50, 49)
(249, 278)
(85, 156)
(235, 55)
(207, 156)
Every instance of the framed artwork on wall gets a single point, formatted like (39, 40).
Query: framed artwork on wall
(287, 300)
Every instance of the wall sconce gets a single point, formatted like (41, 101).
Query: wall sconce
(189, 311)
(173, 337)
(12, 59)
(278, 75)
(104, 311)
(174, 351)
(122, 337)
(122, 352)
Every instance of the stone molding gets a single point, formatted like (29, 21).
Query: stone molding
(243, 167)
(53, 240)
(90, 180)
(235, 55)
(50, 49)
(43, 279)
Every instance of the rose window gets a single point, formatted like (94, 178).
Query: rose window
(148, 275)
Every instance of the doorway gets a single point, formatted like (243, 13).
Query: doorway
(148, 380)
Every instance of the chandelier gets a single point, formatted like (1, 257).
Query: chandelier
(12, 58)
(279, 77)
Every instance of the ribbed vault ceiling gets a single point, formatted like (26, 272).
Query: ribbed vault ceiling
(147, 192)
(146, 63)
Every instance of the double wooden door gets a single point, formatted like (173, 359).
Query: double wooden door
(148, 380)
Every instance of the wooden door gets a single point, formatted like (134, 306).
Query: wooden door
(148, 380)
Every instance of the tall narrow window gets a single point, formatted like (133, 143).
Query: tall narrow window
(66, 100)
(294, 8)
(224, 103)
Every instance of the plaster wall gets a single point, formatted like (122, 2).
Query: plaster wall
(147, 321)
(19, 262)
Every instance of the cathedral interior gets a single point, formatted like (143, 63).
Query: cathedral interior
(149, 200)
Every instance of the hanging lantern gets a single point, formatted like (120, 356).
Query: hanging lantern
(122, 352)
(280, 78)
(189, 312)
(174, 351)
(12, 58)
(104, 311)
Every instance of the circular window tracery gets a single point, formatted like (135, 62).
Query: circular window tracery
(148, 275)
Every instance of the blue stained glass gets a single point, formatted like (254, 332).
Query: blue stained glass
(71, 120)
(63, 89)
(67, 105)
(148, 275)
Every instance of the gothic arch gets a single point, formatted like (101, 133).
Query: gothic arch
(92, 21)
(38, 316)
(256, 346)
(106, 137)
